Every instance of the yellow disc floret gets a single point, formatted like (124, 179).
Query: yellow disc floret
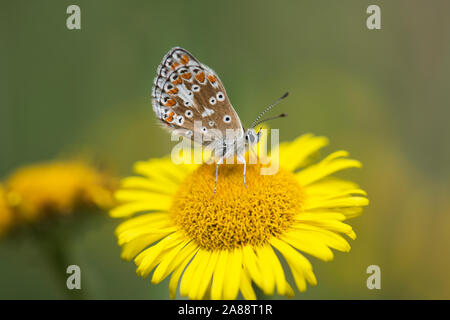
(236, 215)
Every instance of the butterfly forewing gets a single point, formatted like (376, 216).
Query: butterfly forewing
(185, 91)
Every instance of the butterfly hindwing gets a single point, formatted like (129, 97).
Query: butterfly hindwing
(185, 91)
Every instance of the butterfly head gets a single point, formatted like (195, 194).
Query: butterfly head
(251, 137)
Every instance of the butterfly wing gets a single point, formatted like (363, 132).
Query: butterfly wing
(186, 91)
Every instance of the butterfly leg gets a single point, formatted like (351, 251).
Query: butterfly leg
(242, 160)
(217, 172)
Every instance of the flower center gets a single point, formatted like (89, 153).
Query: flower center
(236, 215)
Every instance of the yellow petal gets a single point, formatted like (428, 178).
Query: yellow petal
(233, 275)
(326, 167)
(132, 248)
(324, 215)
(129, 209)
(265, 266)
(188, 276)
(183, 255)
(289, 292)
(161, 170)
(198, 274)
(246, 286)
(295, 154)
(333, 225)
(160, 272)
(299, 279)
(352, 201)
(206, 277)
(131, 234)
(219, 275)
(300, 267)
(348, 212)
(147, 259)
(140, 220)
(142, 196)
(319, 234)
(338, 194)
(144, 183)
(330, 184)
(277, 269)
(249, 260)
(316, 249)
(173, 283)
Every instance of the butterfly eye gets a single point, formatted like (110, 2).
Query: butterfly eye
(196, 88)
(189, 113)
(227, 119)
(212, 101)
(220, 96)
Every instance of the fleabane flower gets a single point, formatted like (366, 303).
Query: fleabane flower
(57, 188)
(217, 245)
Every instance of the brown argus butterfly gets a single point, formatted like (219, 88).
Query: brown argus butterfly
(189, 97)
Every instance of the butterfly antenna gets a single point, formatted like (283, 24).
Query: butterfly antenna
(256, 122)
(271, 118)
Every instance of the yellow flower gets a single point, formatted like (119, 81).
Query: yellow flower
(57, 187)
(220, 244)
(6, 215)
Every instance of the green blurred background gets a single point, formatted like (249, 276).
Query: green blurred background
(383, 95)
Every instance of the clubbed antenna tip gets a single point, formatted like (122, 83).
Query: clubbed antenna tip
(256, 122)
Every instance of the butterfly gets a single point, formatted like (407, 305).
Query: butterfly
(188, 97)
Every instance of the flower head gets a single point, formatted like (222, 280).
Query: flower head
(58, 187)
(219, 244)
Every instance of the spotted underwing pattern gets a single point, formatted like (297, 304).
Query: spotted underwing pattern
(185, 91)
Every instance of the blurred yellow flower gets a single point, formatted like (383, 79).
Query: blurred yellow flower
(57, 187)
(6, 215)
(219, 244)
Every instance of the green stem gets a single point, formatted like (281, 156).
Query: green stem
(56, 250)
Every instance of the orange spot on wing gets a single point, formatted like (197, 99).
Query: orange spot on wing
(174, 65)
(170, 117)
(170, 103)
(173, 91)
(200, 77)
(184, 59)
(178, 81)
(211, 78)
(187, 75)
